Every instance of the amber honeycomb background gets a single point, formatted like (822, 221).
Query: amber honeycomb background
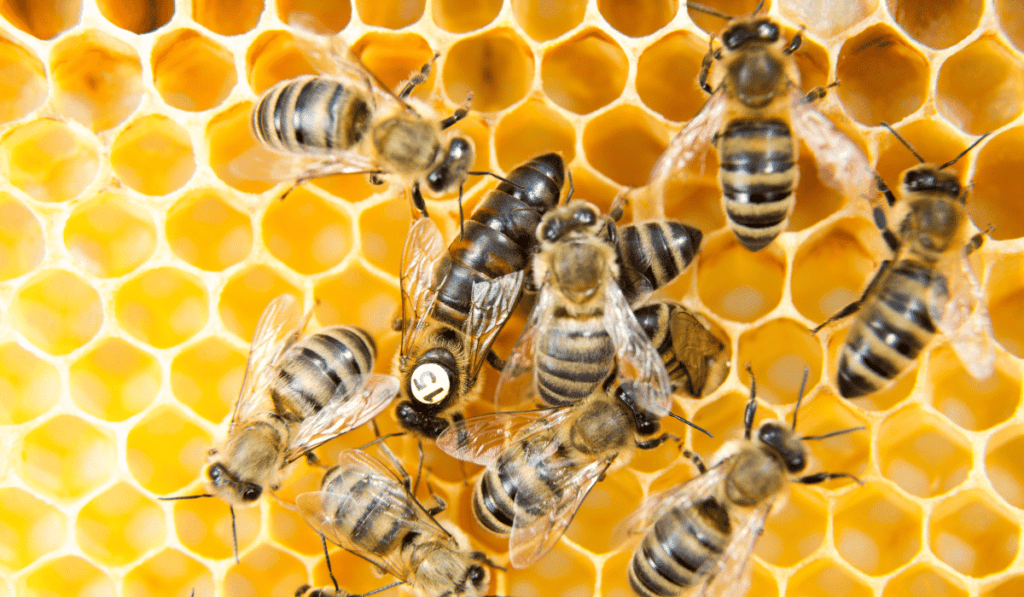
(136, 254)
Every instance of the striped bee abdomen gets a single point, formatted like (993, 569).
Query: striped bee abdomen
(320, 367)
(657, 252)
(514, 485)
(379, 525)
(311, 115)
(891, 329)
(574, 356)
(757, 175)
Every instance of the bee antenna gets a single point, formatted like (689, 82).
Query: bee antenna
(380, 439)
(811, 438)
(907, 143)
(799, 398)
(690, 423)
(758, 8)
(375, 591)
(234, 534)
(713, 12)
(184, 497)
(964, 152)
(572, 189)
(751, 410)
(492, 174)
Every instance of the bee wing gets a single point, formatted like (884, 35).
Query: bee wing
(491, 304)
(963, 317)
(535, 533)
(517, 379)
(424, 249)
(841, 163)
(481, 439)
(330, 513)
(346, 410)
(636, 357)
(277, 328)
(691, 142)
(729, 576)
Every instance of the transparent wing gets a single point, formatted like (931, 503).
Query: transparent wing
(491, 304)
(636, 358)
(424, 249)
(534, 533)
(481, 439)
(277, 328)
(517, 380)
(964, 319)
(841, 163)
(729, 575)
(332, 513)
(691, 142)
(345, 411)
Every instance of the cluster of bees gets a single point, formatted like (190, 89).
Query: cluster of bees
(598, 361)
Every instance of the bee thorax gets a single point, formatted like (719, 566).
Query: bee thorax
(754, 477)
(408, 145)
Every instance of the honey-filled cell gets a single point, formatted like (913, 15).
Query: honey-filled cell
(973, 534)
(118, 526)
(169, 571)
(877, 530)
(923, 454)
(45, 19)
(99, 103)
(57, 311)
(191, 71)
(462, 16)
(998, 194)
(266, 571)
(22, 246)
(207, 376)
(29, 386)
(137, 17)
(331, 17)
(115, 380)
(110, 235)
(778, 352)
(162, 307)
(246, 294)
(307, 233)
(227, 17)
(754, 286)
(150, 140)
(30, 528)
(543, 21)
(206, 229)
(70, 576)
(393, 14)
(24, 88)
(66, 458)
(48, 159)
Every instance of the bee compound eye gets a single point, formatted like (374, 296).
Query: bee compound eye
(477, 575)
(430, 383)
(252, 493)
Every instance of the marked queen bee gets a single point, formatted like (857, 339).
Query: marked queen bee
(455, 301)
(344, 121)
(754, 118)
(297, 394)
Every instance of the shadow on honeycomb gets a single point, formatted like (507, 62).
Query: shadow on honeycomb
(134, 263)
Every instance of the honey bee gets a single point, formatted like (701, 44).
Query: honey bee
(692, 354)
(297, 394)
(455, 302)
(751, 118)
(371, 512)
(699, 535)
(652, 254)
(927, 286)
(344, 121)
(537, 477)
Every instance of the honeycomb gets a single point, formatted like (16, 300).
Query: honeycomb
(136, 256)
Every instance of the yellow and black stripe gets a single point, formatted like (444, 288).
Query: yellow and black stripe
(311, 115)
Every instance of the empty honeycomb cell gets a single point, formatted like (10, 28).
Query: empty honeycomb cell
(204, 527)
(183, 448)
(141, 17)
(275, 56)
(207, 231)
(754, 287)
(394, 57)
(207, 376)
(591, 528)
(826, 578)
(97, 79)
(307, 233)
(332, 17)
(924, 580)
(666, 75)
(68, 576)
(1008, 12)
(697, 202)
(543, 21)
(114, 380)
(1005, 587)
(563, 572)
(57, 311)
(462, 16)
(530, 130)
(734, 8)
(637, 19)
(778, 352)
(815, 200)
(375, 312)
(235, 156)
(973, 534)
(382, 232)
(48, 160)
(29, 529)
(110, 235)
(21, 239)
(923, 454)
(495, 66)
(29, 386)
(265, 572)
(191, 71)
(820, 289)
(118, 526)
(973, 404)
(392, 15)
(795, 530)
(24, 87)
(153, 140)
(980, 88)
(936, 24)
(1006, 301)
(623, 143)
(227, 17)
(883, 77)
(162, 307)
(245, 296)
(998, 195)
(169, 572)
(1004, 466)
(586, 72)
(43, 20)
(66, 458)
(876, 529)
(723, 417)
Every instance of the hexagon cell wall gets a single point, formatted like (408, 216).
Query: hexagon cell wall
(136, 257)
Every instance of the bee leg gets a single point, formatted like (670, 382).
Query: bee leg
(458, 115)
(751, 410)
(705, 66)
(418, 202)
(817, 93)
(616, 211)
(794, 44)
(855, 305)
(696, 460)
(402, 473)
(327, 559)
(440, 506)
(655, 442)
(822, 477)
(495, 361)
(976, 241)
(417, 79)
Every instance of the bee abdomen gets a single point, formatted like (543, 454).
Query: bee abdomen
(757, 175)
(572, 360)
(659, 251)
(492, 504)
(313, 115)
(654, 319)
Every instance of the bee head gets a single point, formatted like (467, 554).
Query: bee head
(748, 31)
(780, 439)
(431, 379)
(418, 422)
(578, 218)
(453, 170)
(475, 580)
(928, 178)
(225, 485)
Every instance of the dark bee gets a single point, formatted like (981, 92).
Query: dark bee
(455, 302)
(691, 353)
